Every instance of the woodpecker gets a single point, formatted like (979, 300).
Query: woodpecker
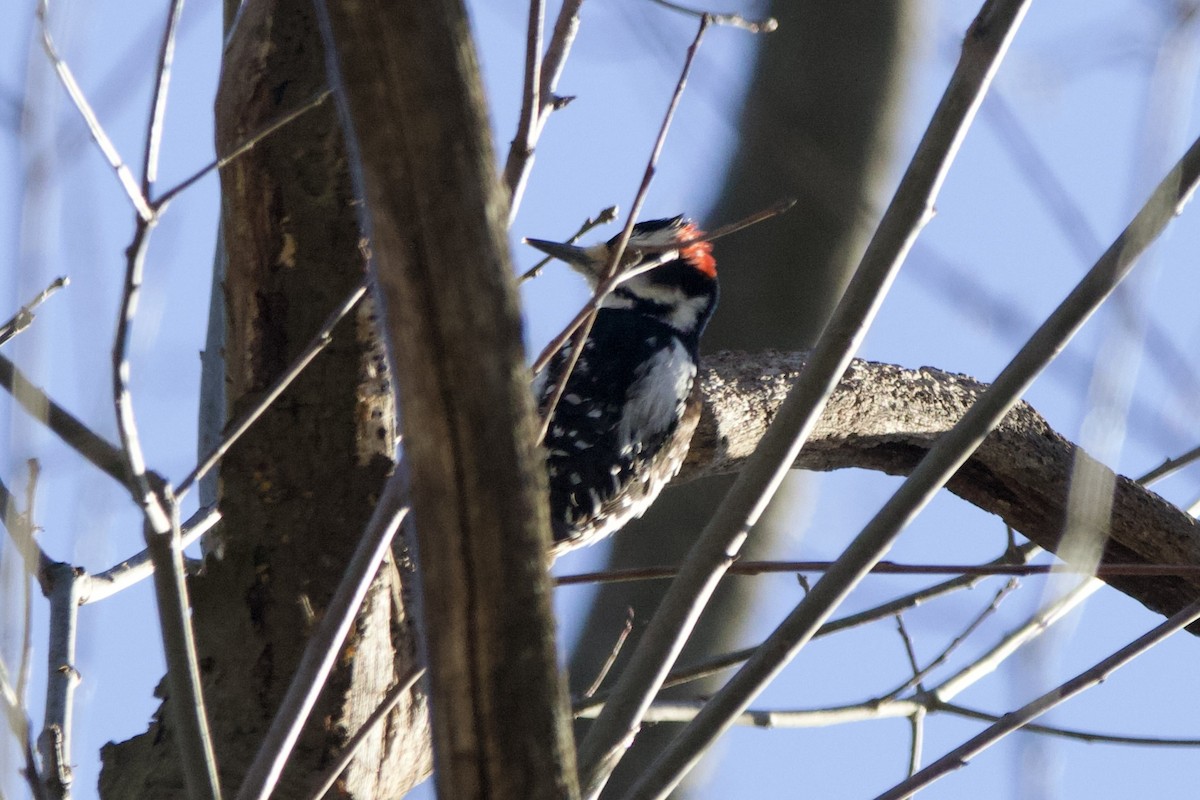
(626, 417)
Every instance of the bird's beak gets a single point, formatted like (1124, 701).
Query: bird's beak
(569, 253)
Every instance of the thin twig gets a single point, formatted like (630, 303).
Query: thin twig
(605, 216)
(715, 664)
(1015, 720)
(54, 743)
(135, 461)
(186, 702)
(686, 710)
(348, 752)
(941, 658)
(613, 268)
(245, 147)
(910, 652)
(325, 643)
(22, 731)
(158, 104)
(32, 572)
(67, 78)
(97, 450)
(730, 525)
(234, 431)
(749, 568)
(121, 576)
(1035, 626)
(917, 741)
(20, 529)
(768, 25)
(14, 709)
(539, 99)
(24, 316)
(31, 773)
(520, 156)
(770, 212)
(1170, 467)
(615, 651)
(1068, 733)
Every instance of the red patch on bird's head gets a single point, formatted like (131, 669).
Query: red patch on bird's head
(698, 254)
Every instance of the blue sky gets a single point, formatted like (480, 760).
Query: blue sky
(1080, 82)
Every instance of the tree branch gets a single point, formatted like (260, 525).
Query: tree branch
(411, 107)
(884, 417)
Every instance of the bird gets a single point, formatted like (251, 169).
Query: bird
(626, 416)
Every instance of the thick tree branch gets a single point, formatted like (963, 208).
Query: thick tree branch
(411, 105)
(885, 417)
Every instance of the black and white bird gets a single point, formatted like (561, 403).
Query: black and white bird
(626, 417)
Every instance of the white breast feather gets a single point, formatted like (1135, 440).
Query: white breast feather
(657, 397)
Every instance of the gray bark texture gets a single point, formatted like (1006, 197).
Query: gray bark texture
(885, 417)
(297, 491)
(437, 218)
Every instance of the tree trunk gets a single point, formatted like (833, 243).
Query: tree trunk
(296, 492)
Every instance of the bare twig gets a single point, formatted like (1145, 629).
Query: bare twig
(520, 156)
(770, 212)
(686, 710)
(1170, 467)
(917, 742)
(155, 498)
(31, 773)
(234, 431)
(728, 528)
(186, 703)
(325, 643)
(20, 529)
(79, 437)
(724, 661)
(245, 147)
(910, 652)
(1015, 720)
(1035, 626)
(13, 698)
(24, 316)
(602, 673)
(887, 568)
(605, 285)
(135, 461)
(1069, 733)
(605, 216)
(32, 572)
(158, 105)
(768, 25)
(54, 743)
(348, 752)
(538, 99)
(139, 567)
(67, 78)
(919, 673)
